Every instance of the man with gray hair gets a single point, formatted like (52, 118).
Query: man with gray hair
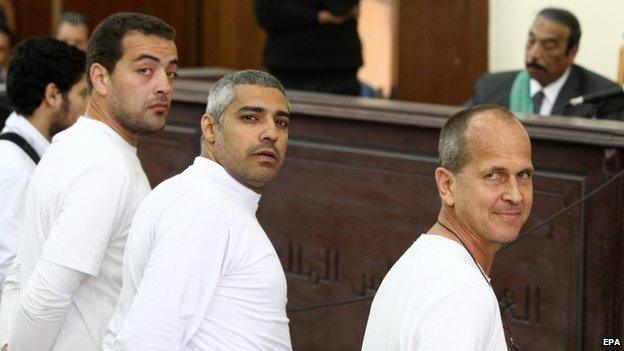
(438, 295)
(199, 271)
(73, 29)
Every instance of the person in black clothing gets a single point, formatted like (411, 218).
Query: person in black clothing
(312, 44)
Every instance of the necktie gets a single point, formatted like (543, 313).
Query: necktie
(538, 98)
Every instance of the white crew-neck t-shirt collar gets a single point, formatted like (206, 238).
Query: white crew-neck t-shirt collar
(96, 125)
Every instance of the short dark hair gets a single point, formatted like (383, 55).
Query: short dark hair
(73, 18)
(36, 62)
(453, 146)
(565, 18)
(105, 44)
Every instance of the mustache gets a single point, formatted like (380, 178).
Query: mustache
(159, 99)
(536, 65)
(264, 146)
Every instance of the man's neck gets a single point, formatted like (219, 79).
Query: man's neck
(41, 122)
(450, 227)
(96, 110)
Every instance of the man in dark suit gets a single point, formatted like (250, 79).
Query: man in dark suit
(550, 79)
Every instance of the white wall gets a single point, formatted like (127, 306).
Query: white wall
(602, 26)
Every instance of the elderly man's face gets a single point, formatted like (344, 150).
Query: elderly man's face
(493, 192)
(250, 141)
(546, 58)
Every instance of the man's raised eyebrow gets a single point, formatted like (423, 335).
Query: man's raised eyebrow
(153, 58)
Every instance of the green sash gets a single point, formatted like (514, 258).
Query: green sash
(520, 97)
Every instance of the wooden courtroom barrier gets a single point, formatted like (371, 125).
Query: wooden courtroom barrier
(357, 188)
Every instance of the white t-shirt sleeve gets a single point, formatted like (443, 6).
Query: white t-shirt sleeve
(45, 299)
(464, 319)
(10, 300)
(182, 272)
(13, 189)
(90, 212)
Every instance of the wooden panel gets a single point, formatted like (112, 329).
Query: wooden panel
(33, 18)
(441, 48)
(181, 15)
(357, 189)
(231, 37)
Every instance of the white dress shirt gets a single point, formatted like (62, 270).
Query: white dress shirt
(199, 271)
(551, 91)
(16, 168)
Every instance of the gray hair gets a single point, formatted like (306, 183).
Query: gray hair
(221, 94)
(73, 18)
(453, 146)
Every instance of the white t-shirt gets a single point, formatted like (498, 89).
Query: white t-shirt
(16, 167)
(435, 298)
(79, 206)
(199, 271)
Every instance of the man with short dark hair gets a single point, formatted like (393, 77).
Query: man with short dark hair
(73, 28)
(200, 273)
(48, 90)
(84, 192)
(551, 78)
(437, 296)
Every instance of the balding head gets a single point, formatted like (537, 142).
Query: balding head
(454, 148)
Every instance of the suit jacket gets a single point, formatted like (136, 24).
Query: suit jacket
(495, 89)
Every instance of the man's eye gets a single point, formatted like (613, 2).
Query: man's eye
(145, 71)
(172, 74)
(525, 175)
(249, 117)
(492, 176)
(282, 123)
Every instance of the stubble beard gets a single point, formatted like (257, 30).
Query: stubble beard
(133, 121)
(235, 166)
(62, 116)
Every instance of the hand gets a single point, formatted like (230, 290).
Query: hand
(325, 17)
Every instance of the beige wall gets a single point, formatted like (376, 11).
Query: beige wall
(602, 24)
(375, 29)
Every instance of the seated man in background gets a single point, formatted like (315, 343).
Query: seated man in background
(551, 78)
(73, 28)
(438, 296)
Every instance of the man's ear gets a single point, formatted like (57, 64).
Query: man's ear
(209, 128)
(99, 78)
(52, 96)
(444, 181)
(572, 53)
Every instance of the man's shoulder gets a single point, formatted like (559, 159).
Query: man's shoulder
(592, 81)
(14, 162)
(494, 88)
